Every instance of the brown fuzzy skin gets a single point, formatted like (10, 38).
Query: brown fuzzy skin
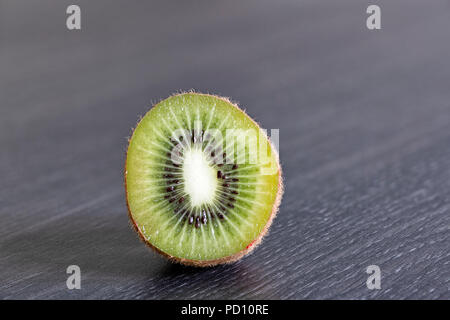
(223, 260)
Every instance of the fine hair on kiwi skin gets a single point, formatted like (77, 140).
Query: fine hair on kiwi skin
(226, 259)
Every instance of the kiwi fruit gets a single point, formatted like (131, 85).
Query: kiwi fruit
(203, 181)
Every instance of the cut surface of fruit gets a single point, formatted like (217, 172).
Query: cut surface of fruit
(203, 181)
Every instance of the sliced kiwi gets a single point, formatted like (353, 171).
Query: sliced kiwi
(203, 182)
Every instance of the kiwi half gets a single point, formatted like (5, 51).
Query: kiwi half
(203, 182)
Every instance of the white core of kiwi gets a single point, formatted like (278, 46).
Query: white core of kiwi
(200, 180)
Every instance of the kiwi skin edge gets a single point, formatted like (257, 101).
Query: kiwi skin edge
(223, 260)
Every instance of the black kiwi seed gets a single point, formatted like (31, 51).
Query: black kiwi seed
(224, 177)
(234, 192)
(191, 219)
(195, 137)
(219, 174)
(204, 219)
(180, 200)
(235, 179)
(221, 216)
(168, 175)
(235, 166)
(171, 200)
(226, 185)
(197, 222)
(232, 199)
(231, 205)
(169, 189)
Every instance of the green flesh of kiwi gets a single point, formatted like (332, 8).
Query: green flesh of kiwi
(187, 197)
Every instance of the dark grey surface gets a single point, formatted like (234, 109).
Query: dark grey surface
(364, 122)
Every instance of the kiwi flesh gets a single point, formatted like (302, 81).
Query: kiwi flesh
(203, 181)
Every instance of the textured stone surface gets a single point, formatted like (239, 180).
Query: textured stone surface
(364, 121)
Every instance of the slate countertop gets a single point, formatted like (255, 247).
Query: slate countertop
(364, 119)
